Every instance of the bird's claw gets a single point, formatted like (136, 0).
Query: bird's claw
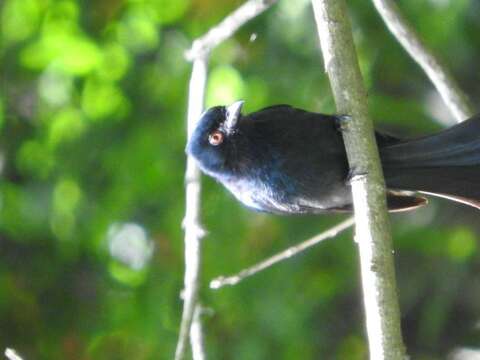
(341, 121)
(354, 175)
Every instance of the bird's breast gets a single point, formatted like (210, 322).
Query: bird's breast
(257, 195)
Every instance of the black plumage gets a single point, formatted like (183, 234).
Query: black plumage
(289, 161)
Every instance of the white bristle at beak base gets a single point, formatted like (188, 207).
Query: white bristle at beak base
(232, 114)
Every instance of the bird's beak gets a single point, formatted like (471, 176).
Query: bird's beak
(233, 113)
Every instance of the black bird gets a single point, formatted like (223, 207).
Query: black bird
(285, 160)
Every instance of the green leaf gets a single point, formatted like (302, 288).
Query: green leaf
(461, 244)
(138, 31)
(101, 99)
(127, 275)
(66, 126)
(66, 196)
(115, 62)
(73, 54)
(170, 11)
(55, 87)
(19, 19)
(34, 158)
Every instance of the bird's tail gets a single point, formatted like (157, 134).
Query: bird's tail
(446, 164)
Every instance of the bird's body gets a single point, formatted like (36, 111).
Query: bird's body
(288, 161)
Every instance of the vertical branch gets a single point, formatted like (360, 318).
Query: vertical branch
(449, 90)
(198, 53)
(368, 187)
(191, 222)
(196, 335)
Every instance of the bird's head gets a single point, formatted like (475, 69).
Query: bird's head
(211, 141)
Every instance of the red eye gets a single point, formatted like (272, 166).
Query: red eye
(215, 138)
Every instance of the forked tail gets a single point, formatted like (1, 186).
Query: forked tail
(446, 164)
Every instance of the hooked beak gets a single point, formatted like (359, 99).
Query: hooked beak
(232, 115)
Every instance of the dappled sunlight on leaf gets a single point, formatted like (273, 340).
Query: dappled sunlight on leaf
(102, 99)
(138, 31)
(66, 196)
(115, 62)
(73, 54)
(256, 94)
(170, 11)
(62, 225)
(127, 275)
(66, 199)
(225, 85)
(19, 19)
(67, 125)
(55, 86)
(128, 243)
(462, 244)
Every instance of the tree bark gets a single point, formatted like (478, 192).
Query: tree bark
(368, 186)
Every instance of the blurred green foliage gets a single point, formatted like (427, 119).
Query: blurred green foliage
(92, 132)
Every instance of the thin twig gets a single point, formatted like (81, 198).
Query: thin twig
(12, 354)
(451, 93)
(191, 222)
(225, 29)
(368, 186)
(196, 335)
(222, 281)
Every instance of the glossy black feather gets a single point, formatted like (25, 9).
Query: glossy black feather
(445, 164)
(289, 161)
(456, 146)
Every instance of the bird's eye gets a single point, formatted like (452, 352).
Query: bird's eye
(216, 138)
